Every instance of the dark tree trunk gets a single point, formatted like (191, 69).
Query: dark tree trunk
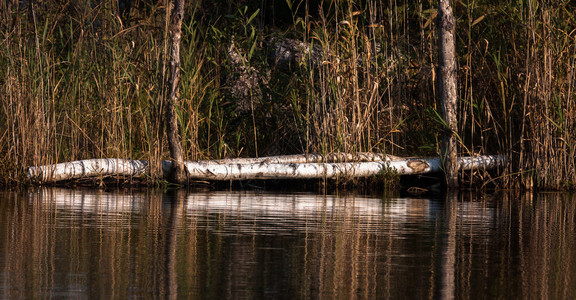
(448, 90)
(175, 34)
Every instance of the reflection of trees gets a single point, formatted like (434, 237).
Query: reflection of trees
(174, 226)
(447, 247)
(154, 245)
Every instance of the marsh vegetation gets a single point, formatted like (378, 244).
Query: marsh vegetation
(85, 79)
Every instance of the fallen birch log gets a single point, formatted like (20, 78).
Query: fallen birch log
(277, 167)
(307, 158)
(88, 168)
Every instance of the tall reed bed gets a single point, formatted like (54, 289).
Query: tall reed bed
(517, 85)
(80, 82)
(548, 130)
(374, 80)
(85, 80)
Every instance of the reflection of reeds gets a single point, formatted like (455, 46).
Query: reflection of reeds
(519, 245)
(550, 253)
(534, 259)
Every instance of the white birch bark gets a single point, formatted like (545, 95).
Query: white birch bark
(281, 167)
(308, 158)
(88, 168)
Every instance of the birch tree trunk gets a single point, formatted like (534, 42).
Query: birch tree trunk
(280, 167)
(175, 33)
(448, 90)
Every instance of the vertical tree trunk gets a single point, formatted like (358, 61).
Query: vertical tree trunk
(175, 32)
(448, 90)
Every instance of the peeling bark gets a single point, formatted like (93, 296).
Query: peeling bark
(175, 33)
(279, 167)
(448, 90)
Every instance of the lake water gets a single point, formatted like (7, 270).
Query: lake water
(63, 243)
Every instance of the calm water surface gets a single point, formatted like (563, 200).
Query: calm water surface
(61, 243)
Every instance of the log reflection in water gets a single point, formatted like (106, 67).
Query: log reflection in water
(66, 243)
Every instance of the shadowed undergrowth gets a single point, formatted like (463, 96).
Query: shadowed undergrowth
(85, 80)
